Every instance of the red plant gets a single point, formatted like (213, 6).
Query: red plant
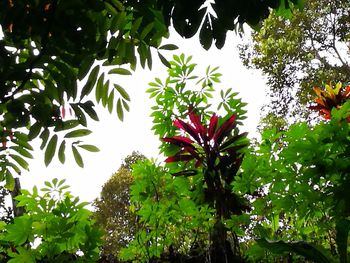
(214, 147)
(331, 97)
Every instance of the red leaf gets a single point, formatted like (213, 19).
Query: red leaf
(187, 128)
(226, 127)
(179, 158)
(179, 141)
(195, 119)
(212, 126)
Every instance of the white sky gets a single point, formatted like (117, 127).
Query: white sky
(118, 139)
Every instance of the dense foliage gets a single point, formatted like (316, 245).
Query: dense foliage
(55, 228)
(112, 209)
(309, 49)
(215, 197)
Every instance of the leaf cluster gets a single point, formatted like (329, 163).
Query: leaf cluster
(55, 228)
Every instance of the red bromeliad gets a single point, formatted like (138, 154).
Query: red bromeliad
(332, 97)
(216, 149)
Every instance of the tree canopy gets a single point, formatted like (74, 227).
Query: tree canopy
(112, 209)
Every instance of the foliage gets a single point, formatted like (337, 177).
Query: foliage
(187, 194)
(298, 181)
(48, 48)
(308, 50)
(55, 228)
(171, 225)
(5, 210)
(112, 213)
(214, 18)
(332, 97)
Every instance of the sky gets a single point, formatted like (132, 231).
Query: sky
(117, 139)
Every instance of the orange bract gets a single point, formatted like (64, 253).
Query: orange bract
(331, 97)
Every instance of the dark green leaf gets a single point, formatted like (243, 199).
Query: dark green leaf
(122, 92)
(301, 248)
(90, 82)
(120, 112)
(44, 137)
(78, 133)
(50, 150)
(164, 60)
(22, 151)
(34, 130)
(146, 30)
(110, 101)
(61, 150)
(77, 157)
(120, 71)
(20, 161)
(169, 47)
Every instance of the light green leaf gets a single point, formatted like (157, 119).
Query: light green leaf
(89, 147)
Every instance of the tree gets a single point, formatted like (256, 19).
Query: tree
(55, 228)
(113, 211)
(191, 197)
(308, 50)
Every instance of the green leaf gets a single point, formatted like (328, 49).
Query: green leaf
(50, 150)
(110, 101)
(78, 133)
(44, 137)
(120, 71)
(88, 107)
(90, 82)
(77, 157)
(120, 112)
(61, 150)
(20, 161)
(135, 26)
(23, 256)
(22, 151)
(164, 60)
(100, 88)
(146, 30)
(169, 47)
(89, 147)
(10, 181)
(122, 92)
(301, 248)
(34, 131)
(19, 231)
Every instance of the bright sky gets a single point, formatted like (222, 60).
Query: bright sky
(118, 139)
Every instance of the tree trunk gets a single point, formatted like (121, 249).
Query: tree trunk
(17, 211)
